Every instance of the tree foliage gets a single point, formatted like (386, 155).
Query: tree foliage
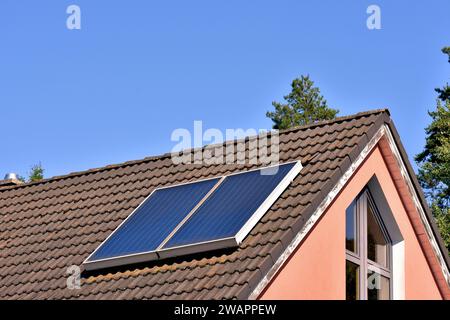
(442, 216)
(36, 173)
(444, 93)
(434, 162)
(303, 105)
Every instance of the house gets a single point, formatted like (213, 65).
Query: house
(351, 223)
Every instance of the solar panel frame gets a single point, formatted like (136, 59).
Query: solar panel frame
(237, 239)
(229, 242)
(142, 256)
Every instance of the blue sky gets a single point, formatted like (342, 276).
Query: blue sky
(116, 89)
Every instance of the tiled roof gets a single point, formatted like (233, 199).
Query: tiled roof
(47, 226)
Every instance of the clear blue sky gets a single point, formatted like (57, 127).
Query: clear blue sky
(116, 89)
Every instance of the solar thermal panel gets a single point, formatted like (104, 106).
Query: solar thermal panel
(153, 221)
(230, 212)
(194, 217)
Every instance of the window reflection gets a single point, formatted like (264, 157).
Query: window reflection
(368, 274)
(376, 242)
(350, 225)
(352, 286)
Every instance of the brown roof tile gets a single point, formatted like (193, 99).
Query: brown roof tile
(49, 225)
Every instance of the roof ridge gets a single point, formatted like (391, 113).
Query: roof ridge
(168, 154)
(337, 119)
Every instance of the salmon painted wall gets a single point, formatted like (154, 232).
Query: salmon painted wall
(317, 269)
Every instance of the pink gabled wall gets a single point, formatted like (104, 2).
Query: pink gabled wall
(316, 270)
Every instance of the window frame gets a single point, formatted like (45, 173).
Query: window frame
(359, 258)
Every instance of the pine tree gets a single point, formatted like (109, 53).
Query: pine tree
(303, 105)
(444, 93)
(36, 173)
(434, 162)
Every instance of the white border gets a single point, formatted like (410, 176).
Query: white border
(383, 131)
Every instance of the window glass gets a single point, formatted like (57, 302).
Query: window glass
(376, 242)
(377, 286)
(350, 225)
(352, 276)
(368, 274)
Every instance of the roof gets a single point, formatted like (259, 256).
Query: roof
(49, 225)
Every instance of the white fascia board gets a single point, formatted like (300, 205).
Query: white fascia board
(382, 131)
(316, 216)
(418, 205)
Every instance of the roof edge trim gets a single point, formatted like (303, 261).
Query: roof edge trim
(316, 215)
(384, 130)
(419, 206)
